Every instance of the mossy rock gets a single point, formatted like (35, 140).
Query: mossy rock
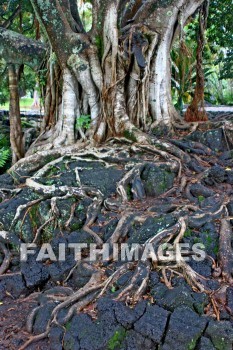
(221, 334)
(150, 228)
(157, 179)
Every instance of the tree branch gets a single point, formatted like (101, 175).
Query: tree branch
(75, 14)
(64, 41)
(51, 16)
(9, 21)
(66, 11)
(17, 49)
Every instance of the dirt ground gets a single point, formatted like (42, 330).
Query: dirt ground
(13, 314)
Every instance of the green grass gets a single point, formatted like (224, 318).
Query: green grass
(25, 103)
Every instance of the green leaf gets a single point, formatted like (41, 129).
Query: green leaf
(113, 289)
(4, 156)
(84, 121)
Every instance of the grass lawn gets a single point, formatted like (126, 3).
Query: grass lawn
(25, 103)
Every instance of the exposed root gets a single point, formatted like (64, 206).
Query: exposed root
(31, 318)
(72, 210)
(21, 208)
(225, 250)
(128, 179)
(122, 228)
(97, 239)
(93, 285)
(166, 281)
(34, 339)
(7, 258)
(128, 289)
(144, 285)
(79, 306)
(37, 161)
(41, 228)
(85, 295)
(192, 277)
(129, 213)
(115, 276)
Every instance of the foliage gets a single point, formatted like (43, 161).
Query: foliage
(183, 78)
(23, 18)
(27, 82)
(4, 150)
(183, 58)
(116, 341)
(219, 91)
(4, 93)
(218, 59)
(85, 11)
(220, 35)
(19, 17)
(84, 121)
(4, 156)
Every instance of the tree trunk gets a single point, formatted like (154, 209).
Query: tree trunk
(136, 67)
(52, 94)
(17, 50)
(16, 134)
(36, 98)
(69, 112)
(119, 72)
(196, 110)
(62, 132)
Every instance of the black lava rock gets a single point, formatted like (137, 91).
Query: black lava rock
(221, 334)
(34, 272)
(153, 323)
(184, 329)
(12, 284)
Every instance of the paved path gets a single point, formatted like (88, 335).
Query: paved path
(217, 109)
(224, 109)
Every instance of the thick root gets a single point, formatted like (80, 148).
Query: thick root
(7, 258)
(225, 250)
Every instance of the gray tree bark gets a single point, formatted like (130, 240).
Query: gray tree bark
(120, 70)
(16, 134)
